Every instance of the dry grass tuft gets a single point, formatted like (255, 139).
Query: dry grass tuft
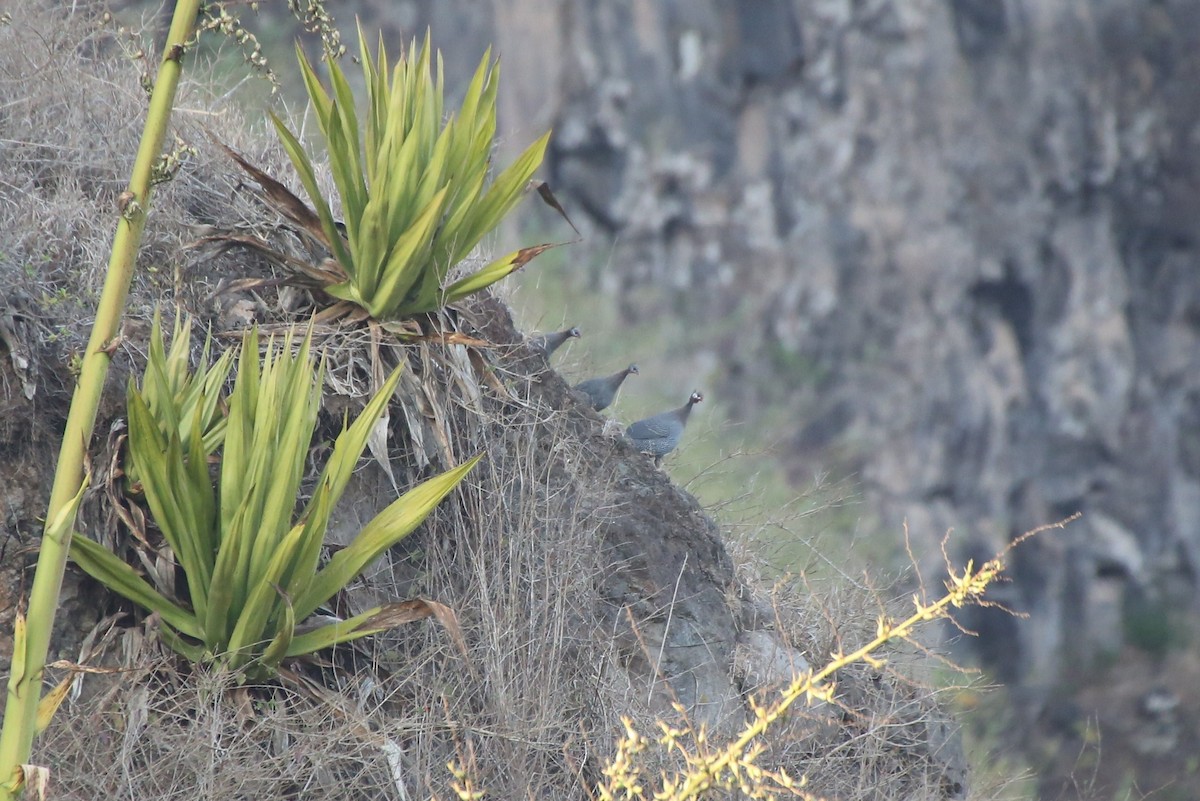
(174, 736)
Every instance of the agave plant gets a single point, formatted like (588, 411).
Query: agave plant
(414, 186)
(252, 564)
(179, 397)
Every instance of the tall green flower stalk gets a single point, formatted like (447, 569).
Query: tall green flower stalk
(25, 679)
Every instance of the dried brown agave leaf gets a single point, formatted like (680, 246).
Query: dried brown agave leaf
(281, 197)
(344, 312)
(439, 337)
(485, 373)
(398, 614)
(547, 196)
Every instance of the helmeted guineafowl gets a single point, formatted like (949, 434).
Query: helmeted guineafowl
(601, 391)
(658, 435)
(548, 343)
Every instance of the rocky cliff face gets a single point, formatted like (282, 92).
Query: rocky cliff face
(961, 236)
(586, 583)
(961, 241)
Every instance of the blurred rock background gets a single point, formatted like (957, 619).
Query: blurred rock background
(945, 249)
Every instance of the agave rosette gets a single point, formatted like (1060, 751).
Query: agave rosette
(252, 564)
(414, 186)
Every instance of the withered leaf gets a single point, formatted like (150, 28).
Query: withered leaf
(543, 190)
(486, 374)
(281, 197)
(397, 614)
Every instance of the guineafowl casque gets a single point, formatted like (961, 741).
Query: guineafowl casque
(658, 435)
(548, 343)
(603, 391)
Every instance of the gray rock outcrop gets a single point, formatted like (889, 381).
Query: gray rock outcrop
(965, 233)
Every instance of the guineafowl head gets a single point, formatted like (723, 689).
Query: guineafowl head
(573, 333)
(696, 398)
(632, 369)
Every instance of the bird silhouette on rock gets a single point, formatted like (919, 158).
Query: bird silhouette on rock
(603, 391)
(660, 434)
(548, 343)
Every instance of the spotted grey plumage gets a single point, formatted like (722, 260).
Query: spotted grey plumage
(660, 434)
(603, 391)
(548, 343)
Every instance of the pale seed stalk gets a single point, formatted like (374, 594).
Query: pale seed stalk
(25, 681)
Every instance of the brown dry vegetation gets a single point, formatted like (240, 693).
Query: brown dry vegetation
(572, 564)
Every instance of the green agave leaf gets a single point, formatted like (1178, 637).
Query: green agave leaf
(287, 414)
(472, 98)
(482, 136)
(390, 526)
(226, 588)
(321, 100)
(368, 246)
(203, 503)
(487, 103)
(212, 420)
(346, 291)
(259, 608)
(308, 178)
(397, 105)
(104, 566)
(397, 188)
(404, 266)
(501, 196)
(375, 81)
(158, 387)
(277, 649)
(189, 651)
(381, 618)
(493, 272)
(347, 449)
(332, 634)
(168, 492)
(262, 421)
(353, 188)
(448, 236)
(475, 135)
(235, 460)
(341, 153)
(349, 445)
(435, 176)
(303, 567)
